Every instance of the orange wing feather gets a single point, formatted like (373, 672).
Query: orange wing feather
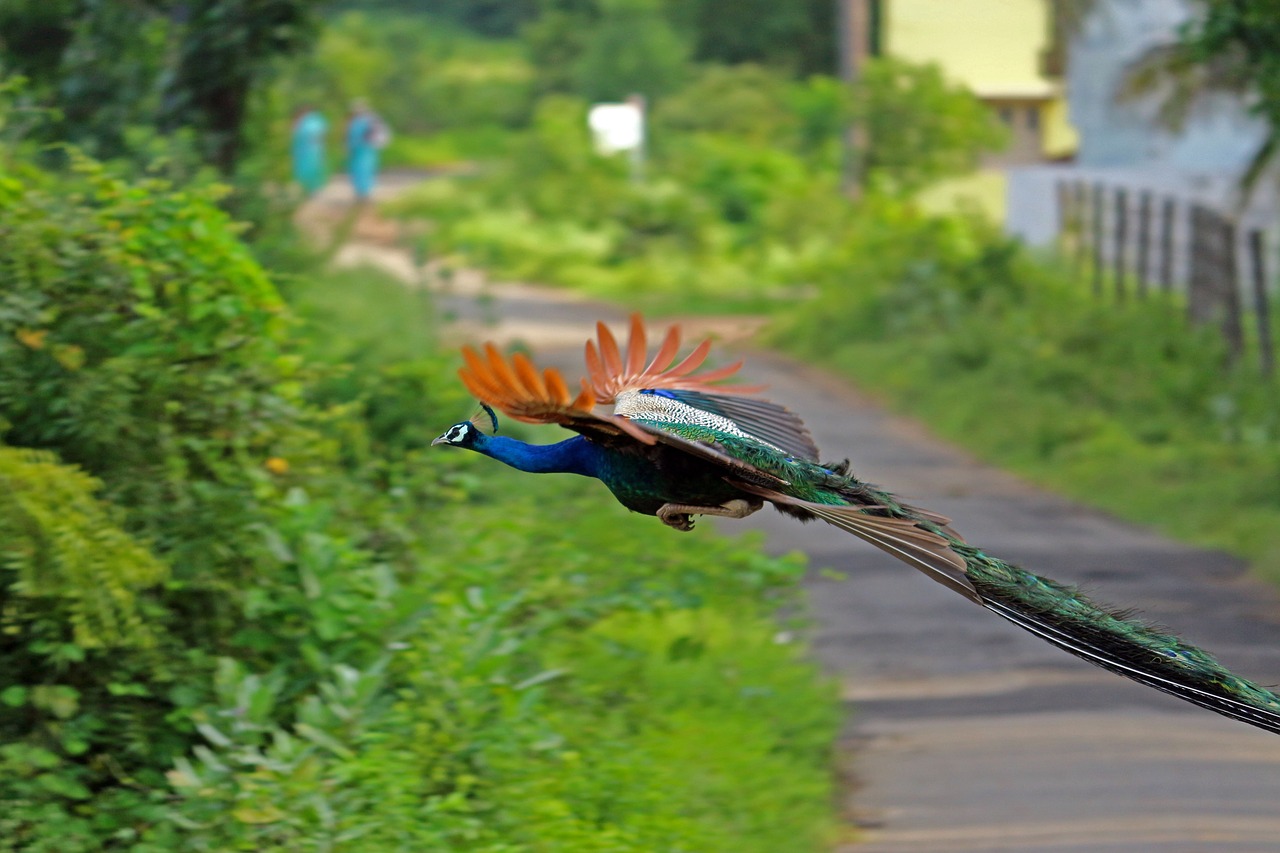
(515, 388)
(611, 374)
(519, 391)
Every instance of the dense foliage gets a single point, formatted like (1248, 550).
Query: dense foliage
(112, 69)
(739, 205)
(793, 34)
(244, 606)
(445, 94)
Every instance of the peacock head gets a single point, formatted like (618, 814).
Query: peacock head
(462, 434)
(466, 433)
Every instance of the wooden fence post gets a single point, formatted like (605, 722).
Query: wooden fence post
(1082, 241)
(1099, 206)
(1121, 242)
(1144, 242)
(1065, 218)
(1168, 213)
(1228, 287)
(1199, 283)
(1261, 305)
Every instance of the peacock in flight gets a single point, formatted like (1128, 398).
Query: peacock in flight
(678, 445)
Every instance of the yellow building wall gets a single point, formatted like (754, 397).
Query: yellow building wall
(991, 46)
(1061, 139)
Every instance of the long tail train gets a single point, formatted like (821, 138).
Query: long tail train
(1060, 615)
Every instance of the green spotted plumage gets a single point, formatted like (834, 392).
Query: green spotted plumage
(676, 448)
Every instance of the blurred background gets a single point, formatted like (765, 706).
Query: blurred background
(242, 607)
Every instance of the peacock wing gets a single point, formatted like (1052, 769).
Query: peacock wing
(611, 372)
(762, 419)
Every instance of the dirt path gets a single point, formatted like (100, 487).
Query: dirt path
(964, 733)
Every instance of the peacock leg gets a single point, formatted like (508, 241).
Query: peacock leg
(678, 515)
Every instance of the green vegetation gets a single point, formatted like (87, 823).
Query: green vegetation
(793, 34)
(1122, 406)
(740, 207)
(114, 74)
(447, 95)
(244, 607)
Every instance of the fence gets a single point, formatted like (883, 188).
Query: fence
(1133, 242)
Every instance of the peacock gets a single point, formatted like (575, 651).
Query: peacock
(680, 443)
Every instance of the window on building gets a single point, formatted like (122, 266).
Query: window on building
(1033, 118)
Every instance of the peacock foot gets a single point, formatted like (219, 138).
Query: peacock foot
(673, 516)
(679, 515)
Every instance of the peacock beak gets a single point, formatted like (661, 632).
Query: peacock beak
(444, 439)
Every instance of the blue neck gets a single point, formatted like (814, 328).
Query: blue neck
(571, 456)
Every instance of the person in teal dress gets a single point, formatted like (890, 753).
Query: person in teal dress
(307, 145)
(366, 135)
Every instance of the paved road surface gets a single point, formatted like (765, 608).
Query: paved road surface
(964, 733)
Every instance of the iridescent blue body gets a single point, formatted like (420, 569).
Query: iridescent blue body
(641, 478)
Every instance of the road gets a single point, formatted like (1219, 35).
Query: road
(964, 733)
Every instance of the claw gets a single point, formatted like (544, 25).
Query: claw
(671, 516)
(679, 516)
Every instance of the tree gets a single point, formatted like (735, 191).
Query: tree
(168, 64)
(798, 35)
(491, 18)
(633, 48)
(227, 46)
(921, 127)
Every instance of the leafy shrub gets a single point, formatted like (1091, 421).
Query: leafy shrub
(281, 624)
(68, 558)
(923, 128)
(746, 101)
(82, 733)
(140, 342)
(520, 706)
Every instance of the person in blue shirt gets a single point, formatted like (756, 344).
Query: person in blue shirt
(307, 148)
(366, 135)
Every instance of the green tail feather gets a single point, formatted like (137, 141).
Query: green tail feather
(1062, 616)
(1110, 639)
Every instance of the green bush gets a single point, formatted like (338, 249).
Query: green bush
(140, 340)
(748, 102)
(922, 127)
(257, 613)
(82, 729)
(521, 707)
(73, 570)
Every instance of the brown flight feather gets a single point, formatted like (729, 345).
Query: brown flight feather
(611, 373)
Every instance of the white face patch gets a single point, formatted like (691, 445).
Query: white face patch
(457, 433)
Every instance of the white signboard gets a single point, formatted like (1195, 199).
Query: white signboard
(616, 127)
